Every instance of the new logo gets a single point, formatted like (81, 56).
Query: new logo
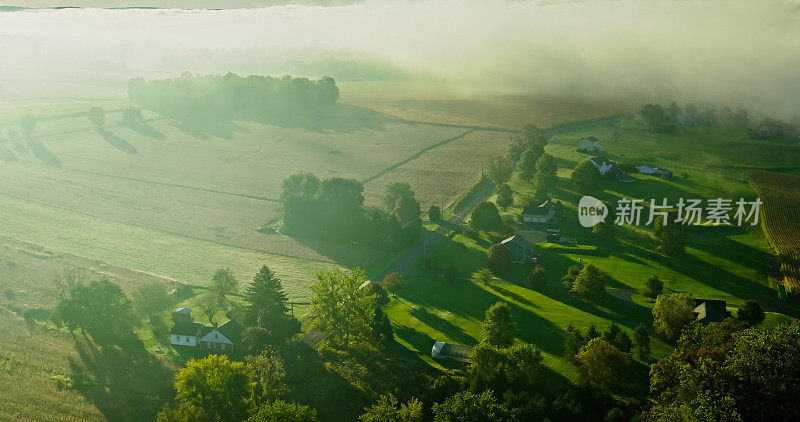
(591, 211)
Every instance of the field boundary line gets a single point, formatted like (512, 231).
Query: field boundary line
(154, 182)
(417, 155)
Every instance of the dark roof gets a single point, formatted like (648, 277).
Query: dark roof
(541, 209)
(186, 328)
(600, 159)
(455, 350)
(232, 330)
(708, 310)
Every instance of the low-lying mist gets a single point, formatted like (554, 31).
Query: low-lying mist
(743, 54)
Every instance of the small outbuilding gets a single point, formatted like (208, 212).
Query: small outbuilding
(442, 350)
(707, 311)
(519, 247)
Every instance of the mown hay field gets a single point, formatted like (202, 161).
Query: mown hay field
(149, 251)
(441, 175)
(430, 102)
(780, 194)
(215, 188)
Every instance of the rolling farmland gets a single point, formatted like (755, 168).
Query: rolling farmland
(440, 175)
(781, 219)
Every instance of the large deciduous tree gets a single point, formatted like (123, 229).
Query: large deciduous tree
(485, 216)
(498, 169)
(590, 283)
(467, 407)
(100, 308)
(602, 365)
(152, 297)
(388, 409)
(585, 177)
(341, 310)
(498, 326)
(671, 314)
(218, 386)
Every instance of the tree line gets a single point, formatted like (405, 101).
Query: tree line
(199, 99)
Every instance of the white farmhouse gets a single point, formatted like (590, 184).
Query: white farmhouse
(590, 144)
(185, 333)
(602, 164)
(224, 338)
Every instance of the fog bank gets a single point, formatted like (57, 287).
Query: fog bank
(738, 53)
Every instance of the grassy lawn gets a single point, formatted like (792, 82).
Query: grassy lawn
(728, 263)
(429, 310)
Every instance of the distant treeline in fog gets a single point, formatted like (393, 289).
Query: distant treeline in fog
(214, 98)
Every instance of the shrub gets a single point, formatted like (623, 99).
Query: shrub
(498, 258)
(393, 282)
(537, 278)
(652, 287)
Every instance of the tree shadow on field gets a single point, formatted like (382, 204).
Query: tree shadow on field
(442, 325)
(125, 383)
(117, 142)
(41, 152)
(6, 154)
(337, 118)
(146, 130)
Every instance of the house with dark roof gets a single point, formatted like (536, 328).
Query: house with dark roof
(542, 213)
(707, 310)
(519, 247)
(442, 350)
(226, 338)
(185, 333)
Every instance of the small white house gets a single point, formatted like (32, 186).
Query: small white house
(651, 169)
(601, 164)
(590, 144)
(186, 333)
(647, 169)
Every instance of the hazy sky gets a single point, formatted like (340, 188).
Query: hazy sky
(717, 50)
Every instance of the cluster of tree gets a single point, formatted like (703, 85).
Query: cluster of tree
(531, 138)
(672, 314)
(217, 389)
(587, 281)
(772, 130)
(212, 98)
(726, 372)
(603, 358)
(351, 317)
(333, 209)
(99, 308)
